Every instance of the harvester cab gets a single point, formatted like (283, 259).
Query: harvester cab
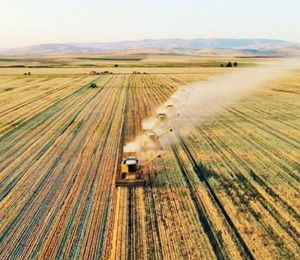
(132, 170)
(131, 173)
(130, 165)
(161, 116)
(151, 134)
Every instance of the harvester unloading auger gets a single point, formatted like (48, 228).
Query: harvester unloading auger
(131, 172)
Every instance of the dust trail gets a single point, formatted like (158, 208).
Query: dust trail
(202, 101)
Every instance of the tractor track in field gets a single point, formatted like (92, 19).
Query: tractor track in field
(13, 119)
(245, 181)
(49, 111)
(33, 137)
(52, 168)
(22, 105)
(199, 171)
(151, 200)
(39, 153)
(172, 203)
(266, 128)
(281, 102)
(58, 182)
(203, 218)
(267, 115)
(261, 146)
(92, 190)
(120, 145)
(131, 246)
(98, 241)
(268, 189)
(116, 158)
(54, 112)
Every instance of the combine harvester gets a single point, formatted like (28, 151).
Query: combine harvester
(132, 170)
(131, 173)
(154, 137)
(162, 116)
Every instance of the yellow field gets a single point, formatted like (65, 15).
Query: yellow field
(126, 70)
(227, 189)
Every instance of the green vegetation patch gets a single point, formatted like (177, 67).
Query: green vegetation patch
(7, 59)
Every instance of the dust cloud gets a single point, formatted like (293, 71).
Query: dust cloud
(202, 101)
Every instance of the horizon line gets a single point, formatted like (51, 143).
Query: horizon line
(148, 39)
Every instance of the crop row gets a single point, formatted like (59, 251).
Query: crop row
(57, 175)
(227, 189)
(21, 100)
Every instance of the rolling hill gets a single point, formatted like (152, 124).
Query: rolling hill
(242, 46)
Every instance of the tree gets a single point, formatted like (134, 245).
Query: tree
(229, 64)
(93, 85)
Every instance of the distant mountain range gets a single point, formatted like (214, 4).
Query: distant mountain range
(242, 46)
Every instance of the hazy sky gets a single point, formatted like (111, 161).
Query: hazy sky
(25, 22)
